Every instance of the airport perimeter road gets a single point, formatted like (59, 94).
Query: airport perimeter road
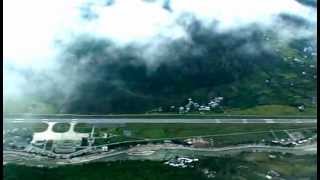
(14, 156)
(144, 120)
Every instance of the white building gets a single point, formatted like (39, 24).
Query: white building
(105, 148)
(301, 108)
(204, 108)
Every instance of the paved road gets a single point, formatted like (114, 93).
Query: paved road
(14, 156)
(161, 120)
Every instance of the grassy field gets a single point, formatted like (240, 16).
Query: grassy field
(140, 130)
(182, 130)
(221, 134)
(61, 127)
(232, 140)
(83, 128)
(270, 110)
(281, 134)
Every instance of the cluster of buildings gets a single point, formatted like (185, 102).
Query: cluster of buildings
(309, 51)
(52, 144)
(199, 142)
(194, 106)
(16, 138)
(291, 142)
(272, 174)
(209, 173)
(61, 154)
(182, 162)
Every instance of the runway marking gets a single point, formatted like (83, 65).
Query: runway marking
(244, 121)
(269, 120)
(298, 121)
(45, 120)
(17, 121)
(218, 121)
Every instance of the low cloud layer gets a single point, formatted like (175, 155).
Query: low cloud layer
(39, 33)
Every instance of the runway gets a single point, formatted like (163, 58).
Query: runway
(158, 120)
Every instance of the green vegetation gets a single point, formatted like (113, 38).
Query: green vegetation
(61, 127)
(243, 166)
(184, 130)
(281, 134)
(272, 110)
(233, 140)
(34, 127)
(102, 171)
(269, 82)
(290, 166)
(309, 132)
(28, 105)
(221, 134)
(83, 128)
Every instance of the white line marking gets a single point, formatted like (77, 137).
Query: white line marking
(45, 120)
(244, 121)
(269, 120)
(16, 121)
(218, 121)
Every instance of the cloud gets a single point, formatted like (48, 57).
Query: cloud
(31, 29)
(234, 14)
(38, 32)
(134, 21)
